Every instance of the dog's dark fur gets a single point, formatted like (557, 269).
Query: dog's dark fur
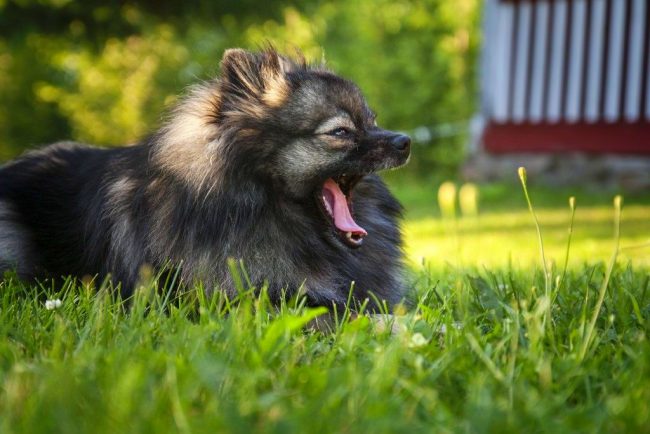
(236, 171)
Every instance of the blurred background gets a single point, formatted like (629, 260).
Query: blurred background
(480, 86)
(103, 72)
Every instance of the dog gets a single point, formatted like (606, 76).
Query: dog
(272, 163)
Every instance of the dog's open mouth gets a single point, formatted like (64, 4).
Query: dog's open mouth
(336, 199)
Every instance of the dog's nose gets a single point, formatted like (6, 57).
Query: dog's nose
(401, 142)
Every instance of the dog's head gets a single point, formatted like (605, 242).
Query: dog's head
(318, 134)
(306, 130)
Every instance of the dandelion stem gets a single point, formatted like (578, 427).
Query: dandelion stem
(547, 277)
(572, 205)
(618, 200)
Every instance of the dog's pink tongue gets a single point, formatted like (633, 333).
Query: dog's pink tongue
(338, 205)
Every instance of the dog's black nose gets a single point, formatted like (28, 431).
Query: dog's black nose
(401, 142)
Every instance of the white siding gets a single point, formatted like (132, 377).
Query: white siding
(635, 59)
(615, 61)
(574, 85)
(554, 109)
(505, 20)
(521, 68)
(531, 75)
(596, 39)
(539, 62)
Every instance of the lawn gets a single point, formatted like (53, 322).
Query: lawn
(503, 233)
(488, 345)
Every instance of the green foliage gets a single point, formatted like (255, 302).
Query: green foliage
(104, 74)
(474, 355)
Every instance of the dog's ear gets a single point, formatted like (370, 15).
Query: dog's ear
(261, 76)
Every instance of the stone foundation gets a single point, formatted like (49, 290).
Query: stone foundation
(627, 173)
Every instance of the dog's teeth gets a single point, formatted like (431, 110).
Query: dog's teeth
(328, 207)
(348, 235)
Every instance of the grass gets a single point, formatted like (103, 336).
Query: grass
(476, 352)
(503, 234)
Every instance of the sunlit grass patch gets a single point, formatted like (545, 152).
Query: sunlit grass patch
(503, 232)
(499, 238)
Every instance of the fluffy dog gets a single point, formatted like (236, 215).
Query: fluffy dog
(272, 163)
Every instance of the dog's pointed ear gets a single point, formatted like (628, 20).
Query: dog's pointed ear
(256, 75)
(240, 70)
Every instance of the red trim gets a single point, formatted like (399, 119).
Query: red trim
(618, 138)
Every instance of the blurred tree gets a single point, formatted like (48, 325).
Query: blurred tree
(103, 71)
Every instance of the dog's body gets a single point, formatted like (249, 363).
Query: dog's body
(263, 164)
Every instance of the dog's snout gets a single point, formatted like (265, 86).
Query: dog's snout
(401, 142)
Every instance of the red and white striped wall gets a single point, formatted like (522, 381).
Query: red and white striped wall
(566, 75)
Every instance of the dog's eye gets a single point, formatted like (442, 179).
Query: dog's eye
(340, 132)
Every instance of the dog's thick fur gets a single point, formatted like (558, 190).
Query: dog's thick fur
(236, 171)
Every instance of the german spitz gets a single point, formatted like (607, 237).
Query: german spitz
(272, 163)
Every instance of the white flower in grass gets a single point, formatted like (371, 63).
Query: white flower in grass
(418, 340)
(53, 304)
(456, 324)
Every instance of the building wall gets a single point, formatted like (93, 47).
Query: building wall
(566, 75)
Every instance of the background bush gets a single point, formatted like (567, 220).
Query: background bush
(104, 72)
